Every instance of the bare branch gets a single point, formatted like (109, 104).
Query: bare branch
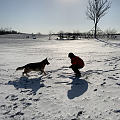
(96, 9)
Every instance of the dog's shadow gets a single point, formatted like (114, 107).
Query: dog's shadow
(78, 87)
(32, 85)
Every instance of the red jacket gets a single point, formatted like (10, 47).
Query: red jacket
(77, 61)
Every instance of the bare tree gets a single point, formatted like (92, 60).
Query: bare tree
(111, 31)
(96, 9)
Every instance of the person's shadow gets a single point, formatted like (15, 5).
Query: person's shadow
(32, 85)
(78, 87)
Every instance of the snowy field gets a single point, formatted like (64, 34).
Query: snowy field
(59, 95)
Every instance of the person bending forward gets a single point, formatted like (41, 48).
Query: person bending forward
(77, 63)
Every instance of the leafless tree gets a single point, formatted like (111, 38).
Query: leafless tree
(96, 9)
(111, 31)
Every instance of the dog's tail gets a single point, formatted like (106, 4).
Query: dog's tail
(20, 68)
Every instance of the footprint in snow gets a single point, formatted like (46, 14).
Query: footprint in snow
(12, 97)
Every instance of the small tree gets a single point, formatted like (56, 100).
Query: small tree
(96, 9)
(111, 31)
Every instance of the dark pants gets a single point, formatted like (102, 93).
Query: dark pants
(75, 69)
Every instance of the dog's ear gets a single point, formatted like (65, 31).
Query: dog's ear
(45, 59)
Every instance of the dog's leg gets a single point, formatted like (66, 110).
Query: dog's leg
(26, 72)
(42, 71)
(23, 73)
(27, 75)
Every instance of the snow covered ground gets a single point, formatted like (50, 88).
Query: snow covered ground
(59, 95)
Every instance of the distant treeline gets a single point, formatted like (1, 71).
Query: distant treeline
(6, 31)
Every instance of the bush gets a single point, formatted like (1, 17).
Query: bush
(4, 31)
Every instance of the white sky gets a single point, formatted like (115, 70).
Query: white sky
(53, 15)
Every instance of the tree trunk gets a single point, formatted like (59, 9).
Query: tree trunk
(95, 33)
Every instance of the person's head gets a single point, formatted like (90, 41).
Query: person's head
(71, 55)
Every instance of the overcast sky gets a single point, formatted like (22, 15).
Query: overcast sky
(32, 16)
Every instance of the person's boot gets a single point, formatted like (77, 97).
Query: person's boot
(78, 75)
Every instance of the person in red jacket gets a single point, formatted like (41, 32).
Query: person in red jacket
(77, 63)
